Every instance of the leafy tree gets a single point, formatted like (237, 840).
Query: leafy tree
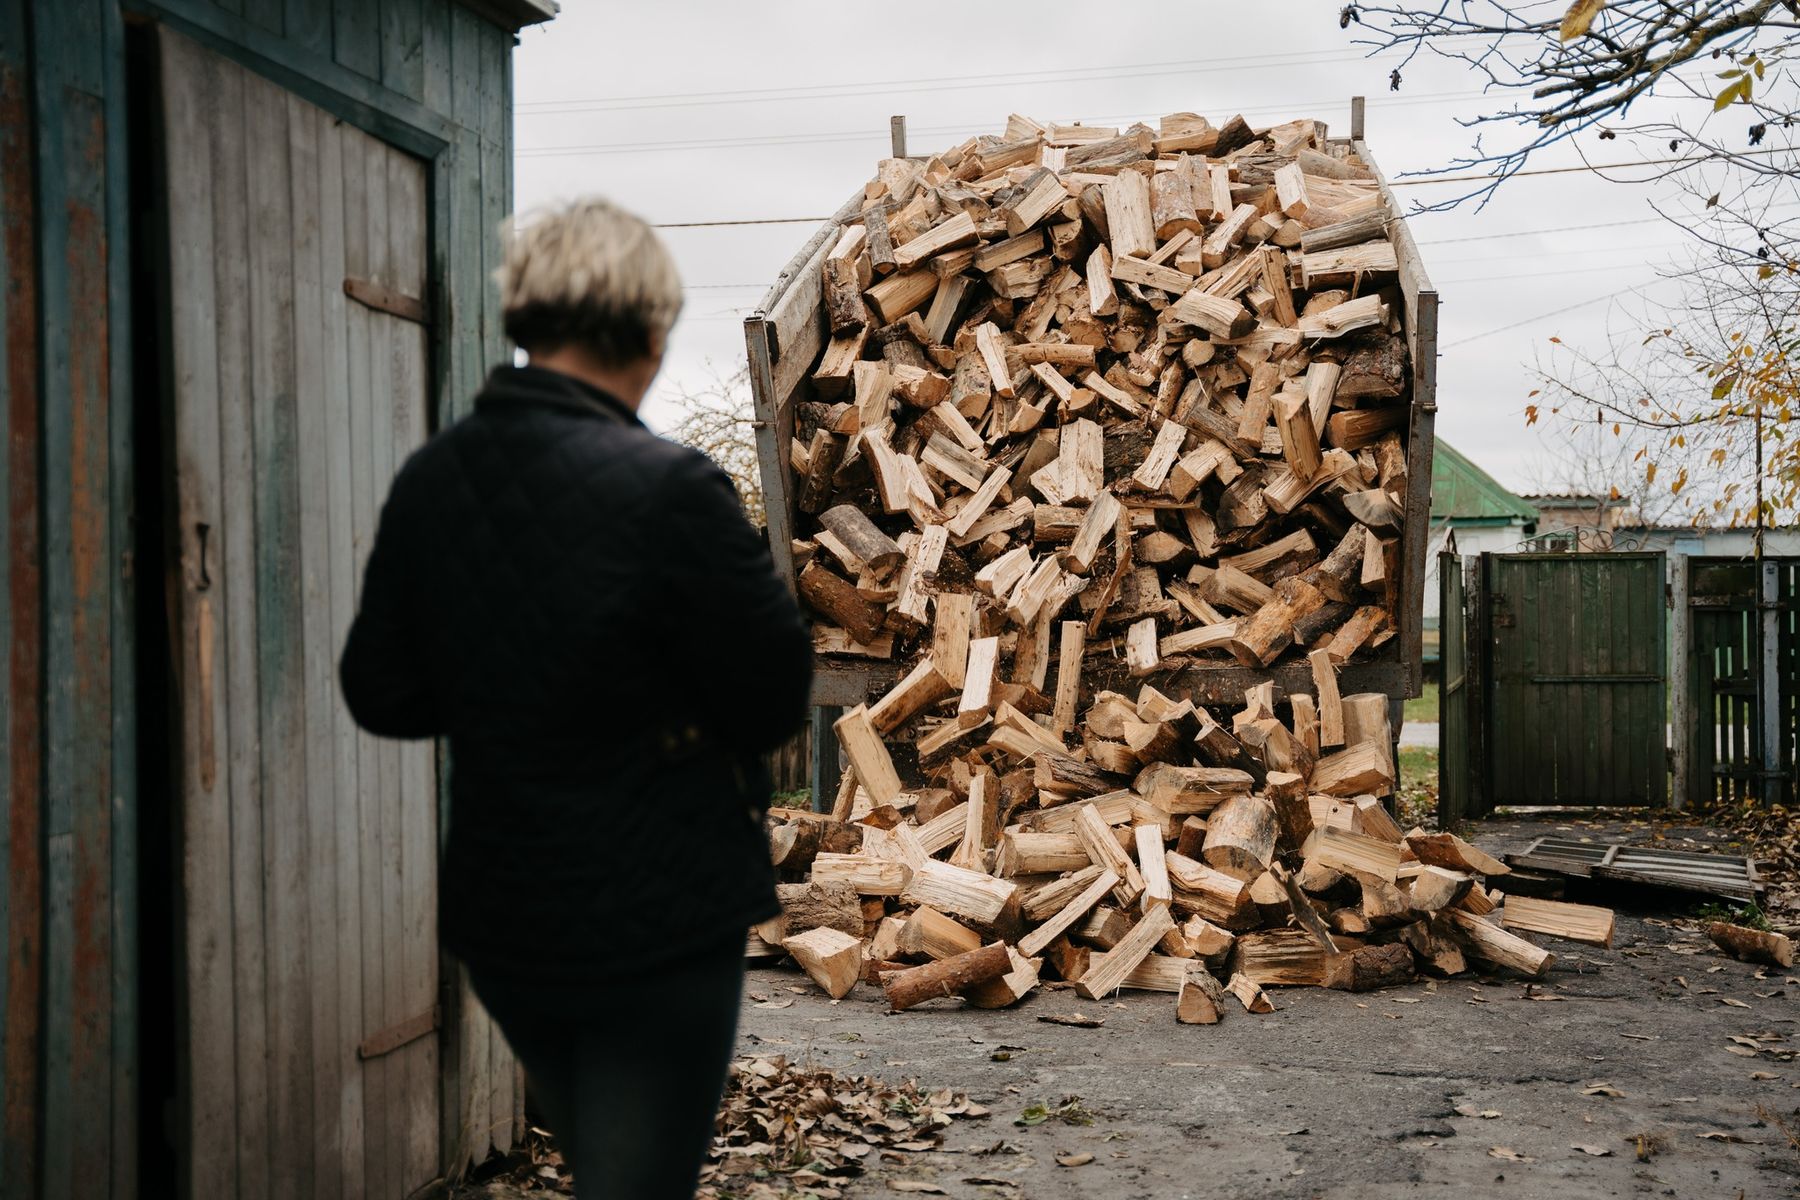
(1706, 92)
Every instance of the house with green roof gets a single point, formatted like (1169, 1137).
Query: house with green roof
(1472, 507)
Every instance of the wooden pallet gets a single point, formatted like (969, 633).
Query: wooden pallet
(1726, 875)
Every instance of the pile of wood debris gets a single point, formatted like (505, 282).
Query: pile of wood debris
(1152, 413)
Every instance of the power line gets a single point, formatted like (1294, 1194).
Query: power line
(1489, 237)
(1419, 180)
(829, 91)
(753, 221)
(1543, 316)
(861, 135)
(1413, 182)
(1587, 270)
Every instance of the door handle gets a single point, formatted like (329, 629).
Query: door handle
(202, 531)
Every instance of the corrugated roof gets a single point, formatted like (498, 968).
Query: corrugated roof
(1460, 490)
(1569, 500)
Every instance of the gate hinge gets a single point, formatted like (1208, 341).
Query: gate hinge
(382, 298)
(386, 1041)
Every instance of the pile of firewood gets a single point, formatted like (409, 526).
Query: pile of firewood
(1152, 413)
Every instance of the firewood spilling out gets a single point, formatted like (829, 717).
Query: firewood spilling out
(1101, 408)
(1151, 381)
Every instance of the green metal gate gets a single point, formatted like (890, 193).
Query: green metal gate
(1743, 650)
(1455, 746)
(1564, 683)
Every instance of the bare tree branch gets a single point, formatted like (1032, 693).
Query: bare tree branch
(716, 420)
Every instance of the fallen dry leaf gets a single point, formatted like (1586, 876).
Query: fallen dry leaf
(1596, 1151)
(1509, 1154)
(1732, 1002)
(1074, 1160)
(801, 1130)
(1719, 1135)
(1762, 1075)
(1469, 1110)
(1602, 1089)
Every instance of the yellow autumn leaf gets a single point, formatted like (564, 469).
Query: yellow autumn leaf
(1650, 473)
(1581, 14)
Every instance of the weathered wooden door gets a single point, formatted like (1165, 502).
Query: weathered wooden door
(297, 264)
(1577, 663)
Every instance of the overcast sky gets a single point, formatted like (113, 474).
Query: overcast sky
(710, 111)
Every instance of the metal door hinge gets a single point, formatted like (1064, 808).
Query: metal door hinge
(386, 1041)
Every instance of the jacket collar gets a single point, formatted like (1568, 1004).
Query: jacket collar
(539, 385)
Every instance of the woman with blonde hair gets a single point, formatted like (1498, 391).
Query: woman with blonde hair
(584, 611)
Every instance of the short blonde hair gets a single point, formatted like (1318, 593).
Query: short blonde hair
(587, 272)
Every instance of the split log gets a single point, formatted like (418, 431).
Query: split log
(1282, 958)
(1155, 872)
(967, 893)
(1345, 851)
(1434, 947)
(1106, 853)
(794, 844)
(1270, 630)
(1240, 837)
(837, 598)
(1752, 945)
(1436, 888)
(1039, 939)
(1493, 944)
(1555, 918)
(1448, 850)
(1201, 1000)
(1183, 791)
(922, 687)
(1369, 968)
(816, 905)
(1009, 988)
(868, 755)
(867, 876)
(831, 959)
(1108, 972)
(1249, 993)
(930, 933)
(1286, 792)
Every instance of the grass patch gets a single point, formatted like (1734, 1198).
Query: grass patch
(1424, 706)
(1070, 1111)
(1749, 916)
(799, 798)
(1415, 797)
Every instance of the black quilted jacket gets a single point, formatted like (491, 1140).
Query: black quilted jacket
(583, 610)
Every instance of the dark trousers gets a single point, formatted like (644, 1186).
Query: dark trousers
(627, 1075)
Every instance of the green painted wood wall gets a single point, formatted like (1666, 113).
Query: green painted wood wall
(431, 77)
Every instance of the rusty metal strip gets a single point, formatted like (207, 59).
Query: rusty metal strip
(386, 1041)
(385, 299)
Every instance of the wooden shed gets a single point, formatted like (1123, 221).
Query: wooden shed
(246, 248)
